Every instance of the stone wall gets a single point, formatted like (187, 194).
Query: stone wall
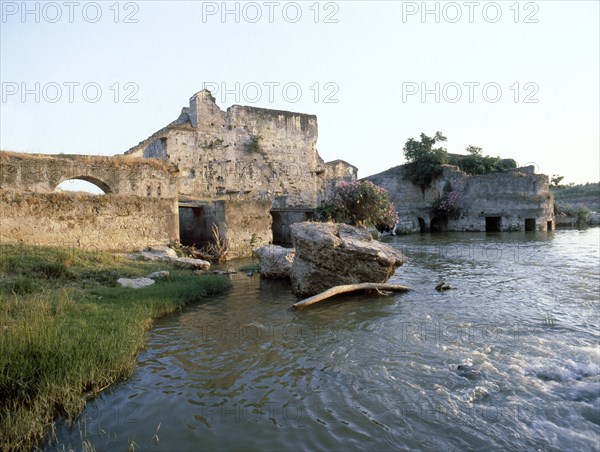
(242, 153)
(245, 225)
(283, 219)
(95, 222)
(246, 157)
(338, 171)
(41, 173)
(515, 196)
(139, 209)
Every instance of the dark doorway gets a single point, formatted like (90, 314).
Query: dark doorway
(530, 224)
(421, 224)
(439, 224)
(493, 224)
(283, 219)
(549, 225)
(190, 225)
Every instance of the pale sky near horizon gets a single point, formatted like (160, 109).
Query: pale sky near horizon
(519, 79)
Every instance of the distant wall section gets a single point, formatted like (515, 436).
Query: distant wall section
(517, 200)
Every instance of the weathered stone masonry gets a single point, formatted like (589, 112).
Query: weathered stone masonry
(254, 162)
(139, 209)
(252, 172)
(244, 152)
(513, 201)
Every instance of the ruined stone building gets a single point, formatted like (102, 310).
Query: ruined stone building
(139, 208)
(250, 171)
(517, 200)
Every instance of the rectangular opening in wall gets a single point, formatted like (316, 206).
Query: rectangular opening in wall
(549, 225)
(530, 224)
(190, 225)
(493, 224)
(279, 228)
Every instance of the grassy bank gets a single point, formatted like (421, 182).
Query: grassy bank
(67, 331)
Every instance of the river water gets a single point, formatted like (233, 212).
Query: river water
(508, 360)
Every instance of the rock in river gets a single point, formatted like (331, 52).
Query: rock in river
(331, 254)
(275, 261)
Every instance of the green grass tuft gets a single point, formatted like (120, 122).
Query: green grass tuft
(254, 267)
(67, 331)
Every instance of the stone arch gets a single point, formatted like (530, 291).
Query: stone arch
(439, 223)
(92, 180)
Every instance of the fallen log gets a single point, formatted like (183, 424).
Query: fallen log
(348, 288)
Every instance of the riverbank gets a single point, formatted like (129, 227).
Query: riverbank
(506, 361)
(68, 332)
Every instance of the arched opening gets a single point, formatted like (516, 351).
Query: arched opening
(421, 224)
(439, 224)
(83, 184)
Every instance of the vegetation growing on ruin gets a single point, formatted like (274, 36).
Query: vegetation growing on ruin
(254, 144)
(425, 160)
(448, 204)
(360, 203)
(67, 331)
(477, 163)
(115, 161)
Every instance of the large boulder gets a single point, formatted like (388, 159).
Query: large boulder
(330, 254)
(275, 261)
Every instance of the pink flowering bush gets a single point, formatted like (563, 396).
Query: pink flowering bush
(360, 203)
(449, 203)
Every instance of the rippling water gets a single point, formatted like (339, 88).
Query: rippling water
(508, 360)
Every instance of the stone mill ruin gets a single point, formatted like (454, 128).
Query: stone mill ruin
(251, 172)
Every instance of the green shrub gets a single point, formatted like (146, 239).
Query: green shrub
(448, 204)
(254, 144)
(360, 203)
(424, 161)
(52, 270)
(477, 163)
(584, 216)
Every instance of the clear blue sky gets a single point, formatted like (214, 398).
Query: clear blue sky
(374, 58)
